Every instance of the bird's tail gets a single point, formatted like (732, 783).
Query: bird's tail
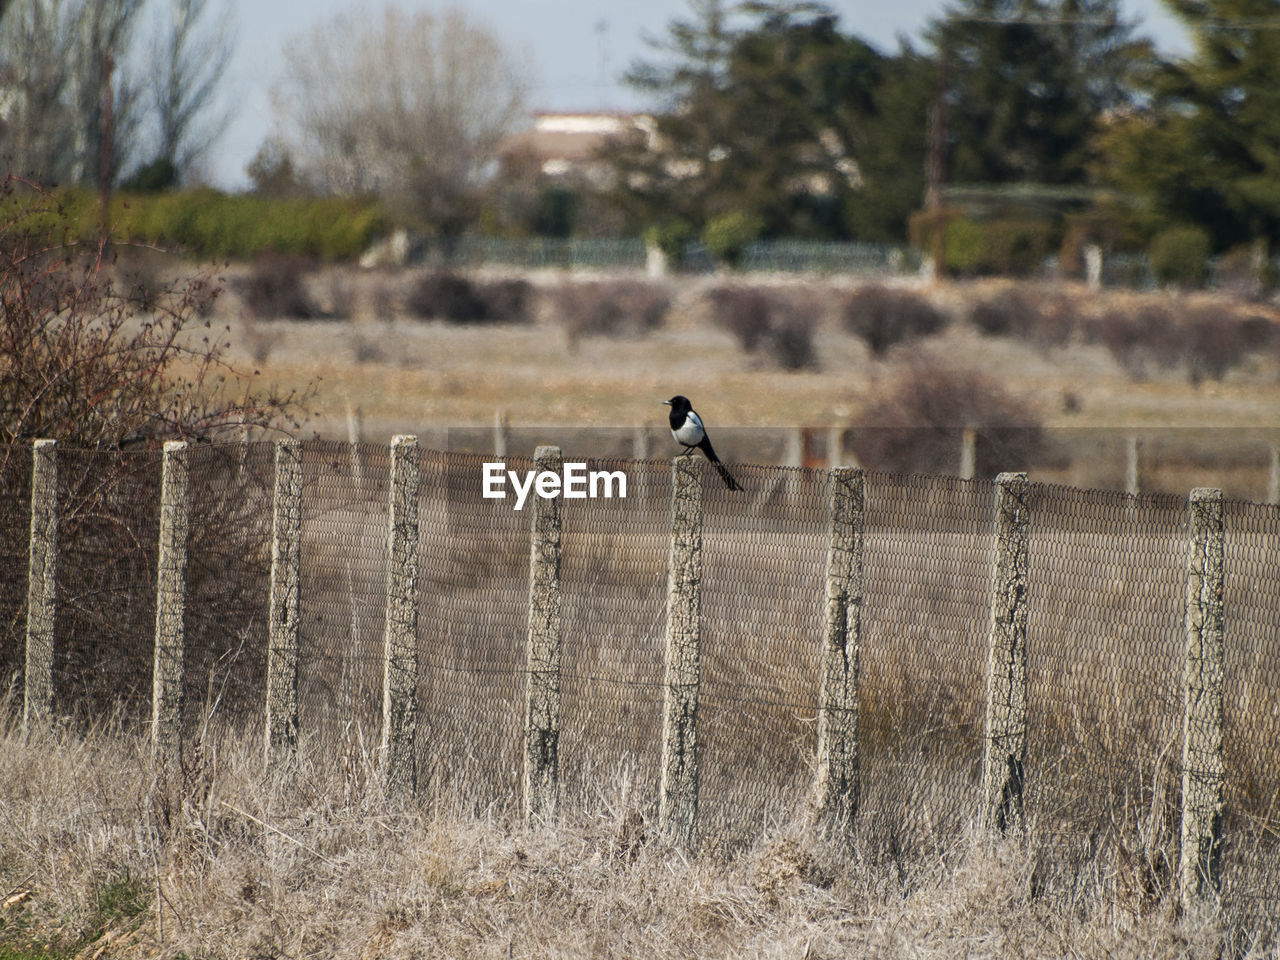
(726, 476)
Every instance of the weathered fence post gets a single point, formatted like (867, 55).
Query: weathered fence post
(678, 806)
(1005, 729)
(542, 693)
(42, 584)
(838, 786)
(968, 453)
(1202, 761)
(282, 642)
(171, 591)
(1133, 465)
(400, 667)
(1273, 477)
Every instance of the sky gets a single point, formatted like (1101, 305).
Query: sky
(576, 50)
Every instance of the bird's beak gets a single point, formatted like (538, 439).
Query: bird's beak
(666, 403)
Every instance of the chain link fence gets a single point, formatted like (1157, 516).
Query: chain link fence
(1106, 597)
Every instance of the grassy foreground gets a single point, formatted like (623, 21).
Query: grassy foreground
(103, 854)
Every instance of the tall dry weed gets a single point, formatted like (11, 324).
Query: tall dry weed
(108, 854)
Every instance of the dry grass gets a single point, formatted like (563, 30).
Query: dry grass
(104, 854)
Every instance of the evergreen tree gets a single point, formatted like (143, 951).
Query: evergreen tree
(771, 116)
(1027, 81)
(1206, 149)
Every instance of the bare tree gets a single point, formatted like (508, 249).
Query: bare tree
(409, 106)
(191, 57)
(106, 32)
(37, 39)
(56, 54)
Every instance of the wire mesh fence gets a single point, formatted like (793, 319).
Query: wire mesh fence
(1105, 597)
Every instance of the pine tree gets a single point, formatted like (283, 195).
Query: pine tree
(769, 116)
(1207, 149)
(1027, 81)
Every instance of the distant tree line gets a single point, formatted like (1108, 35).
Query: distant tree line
(1055, 108)
(110, 90)
(1052, 121)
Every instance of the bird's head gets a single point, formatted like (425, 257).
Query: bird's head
(679, 403)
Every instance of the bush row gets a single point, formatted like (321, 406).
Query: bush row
(206, 223)
(779, 324)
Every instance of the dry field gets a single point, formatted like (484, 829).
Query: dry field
(105, 855)
(404, 373)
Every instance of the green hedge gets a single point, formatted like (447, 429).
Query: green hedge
(1004, 247)
(207, 223)
(1180, 256)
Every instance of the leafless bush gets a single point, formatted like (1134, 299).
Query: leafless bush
(883, 317)
(1042, 319)
(446, 295)
(768, 321)
(915, 425)
(791, 344)
(508, 301)
(1206, 341)
(97, 366)
(276, 288)
(611, 308)
(745, 312)
(111, 375)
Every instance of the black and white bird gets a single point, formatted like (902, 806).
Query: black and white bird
(687, 428)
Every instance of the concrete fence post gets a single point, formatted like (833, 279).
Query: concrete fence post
(282, 641)
(1005, 728)
(678, 805)
(1273, 476)
(400, 666)
(838, 785)
(42, 584)
(1202, 760)
(501, 434)
(542, 692)
(968, 453)
(1133, 465)
(171, 598)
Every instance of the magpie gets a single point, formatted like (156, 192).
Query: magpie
(687, 428)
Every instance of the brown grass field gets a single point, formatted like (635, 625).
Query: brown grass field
(103, 854)
(395, 373)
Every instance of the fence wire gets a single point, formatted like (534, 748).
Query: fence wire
(1105, 641)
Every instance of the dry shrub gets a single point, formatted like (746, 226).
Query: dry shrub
(791, 344)
(745, 312)
(509, 301)
(1208, 342)
(1043, 319)
(611, 308)
(883, 317)
(768, 321)
(111, 374)
(445, 295)
(381, 301)
(276, 288)
(915, 425)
